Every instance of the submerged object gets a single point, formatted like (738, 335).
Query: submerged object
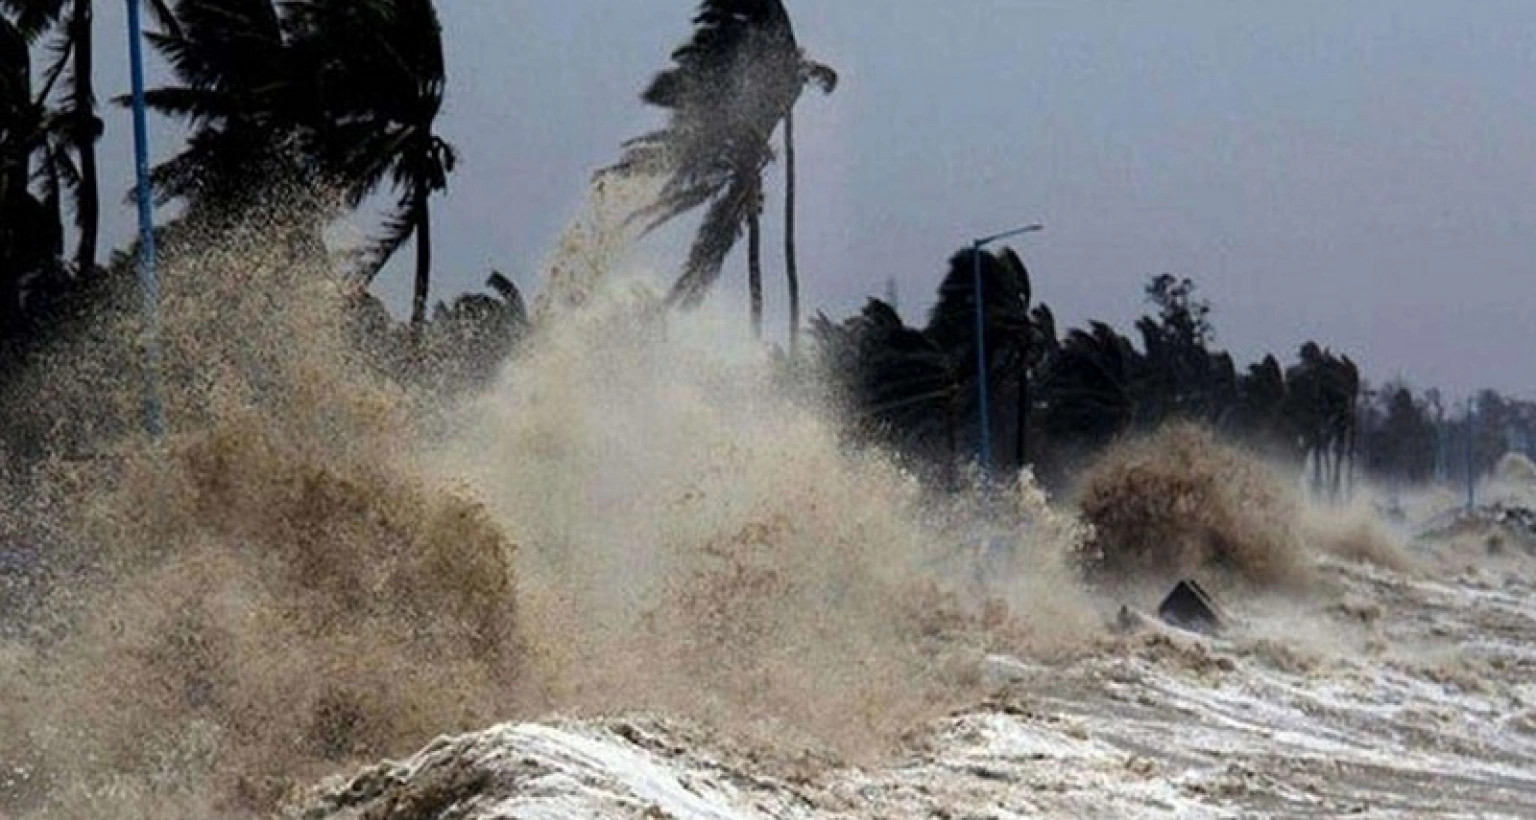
(1190, 607)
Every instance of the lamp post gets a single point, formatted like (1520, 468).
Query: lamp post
(984, 446)
(149, 286)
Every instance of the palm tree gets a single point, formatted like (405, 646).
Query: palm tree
(233, 61)
(826, 79)
(731, 84)
(1010, 330)
(75, 123)
(345, 91)
(19, 209)
(379, 72)
(1091, 388)
(469, 338)
(904, 387)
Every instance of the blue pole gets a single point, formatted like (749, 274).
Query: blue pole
(984, 447)
(149, 285)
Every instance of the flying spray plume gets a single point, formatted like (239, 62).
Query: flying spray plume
(324, 564)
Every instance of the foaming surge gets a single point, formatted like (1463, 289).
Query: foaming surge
(1182, 503)
(273, 589)
(321, 565)
(717, 546)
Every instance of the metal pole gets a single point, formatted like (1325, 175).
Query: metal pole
(984, 446)
(149, 285)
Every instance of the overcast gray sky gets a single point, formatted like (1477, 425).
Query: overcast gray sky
(1360, 172)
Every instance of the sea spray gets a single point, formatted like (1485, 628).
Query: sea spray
(724, 550)
(323, 564)
(271, 590)
(1180, 502)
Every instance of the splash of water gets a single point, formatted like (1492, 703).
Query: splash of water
(321, 565)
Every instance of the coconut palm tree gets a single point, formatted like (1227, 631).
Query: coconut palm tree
(1091, 389)
(75, 122)
(825, 78)
(900, 385)
(237, 90)
(730, 86)
(344, 91)
(1009, 326)
(20, 211)
(377, 67)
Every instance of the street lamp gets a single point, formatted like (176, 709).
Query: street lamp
(149, 286)
(984, 448)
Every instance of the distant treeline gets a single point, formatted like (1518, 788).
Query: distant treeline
(1056, 398)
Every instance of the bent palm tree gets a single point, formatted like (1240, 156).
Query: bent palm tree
(1009, 326)
(379, 71)
(902, 386)
(731, 84)
(232, 61)
(74, 127)
(21, 213)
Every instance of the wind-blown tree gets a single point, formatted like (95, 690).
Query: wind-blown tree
(238, 90)
(1184, 378)
(822, 76)
(42, 296)
(900, 386)
(378, 69)
(73, 127)
(33, 275)
(1259, 415)
(1091, 388)
(343, 91)
(730, 86)
(23, 217)
(469, 338)
(1323, 407)
(1009, 328)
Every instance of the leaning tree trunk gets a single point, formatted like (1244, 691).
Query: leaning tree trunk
(85, 130)
(952, 442)
(755, 271)
(423, 217)
(1021, 440)
(14, 173)
(791, 271)
(1337, 490)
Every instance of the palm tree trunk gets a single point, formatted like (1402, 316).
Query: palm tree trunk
(423, 257)
(86, 131)
(952, 443)
(1021, 441)
(755, 271)
(791, 271)
(15, 170)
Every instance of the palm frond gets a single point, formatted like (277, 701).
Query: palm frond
(821, 75)
(716, 236)
(512, 298)
(165, 17)
(398, 229)
(33, 18)
(63, 49)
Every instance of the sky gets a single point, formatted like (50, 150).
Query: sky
(1361, 173)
